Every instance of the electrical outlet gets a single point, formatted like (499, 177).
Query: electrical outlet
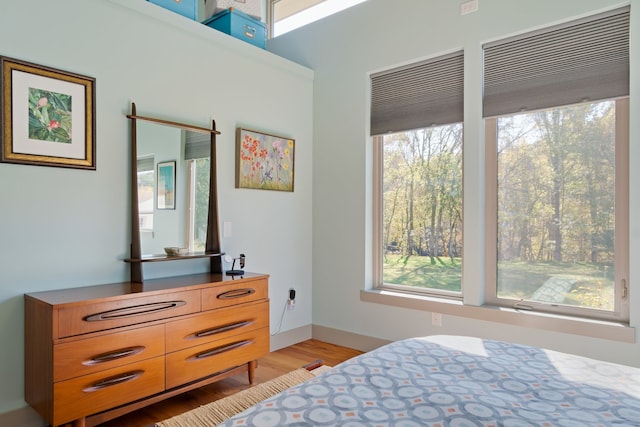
(291, 302)
(436, 319)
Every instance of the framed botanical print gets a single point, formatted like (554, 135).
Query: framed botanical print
(48, 116)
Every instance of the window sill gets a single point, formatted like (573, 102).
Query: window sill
(571, 325)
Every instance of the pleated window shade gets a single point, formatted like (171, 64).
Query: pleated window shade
(146, 164)
(584, 60)
(197, 145)
(418, 95)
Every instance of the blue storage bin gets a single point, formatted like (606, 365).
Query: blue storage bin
(240, 25)
(191, 9)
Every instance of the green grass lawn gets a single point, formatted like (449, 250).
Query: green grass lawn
(425, 272)
(517, 279)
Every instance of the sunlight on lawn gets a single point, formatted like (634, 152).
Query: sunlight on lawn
(593, 284)
(426, 272)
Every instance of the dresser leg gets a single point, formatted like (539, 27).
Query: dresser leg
(80, 422)
(252, 370)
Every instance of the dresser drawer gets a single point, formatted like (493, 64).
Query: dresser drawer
(196, 362)
(112, 314)
(234, 293)
(77, 358)
(215, 325)
(75, 398)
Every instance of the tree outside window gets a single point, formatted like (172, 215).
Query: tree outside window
(422, 208)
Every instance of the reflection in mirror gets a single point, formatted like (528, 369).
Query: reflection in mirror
(186, 225)
(146, 179)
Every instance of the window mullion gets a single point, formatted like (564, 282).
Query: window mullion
(491, 212)
(377, 202)
(621, 260)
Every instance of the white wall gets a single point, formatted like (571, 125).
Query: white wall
(64, 228)
(378, 34)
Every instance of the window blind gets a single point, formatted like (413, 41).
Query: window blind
(582, 60)
(146, 164)
(418, 95)
(197, 145)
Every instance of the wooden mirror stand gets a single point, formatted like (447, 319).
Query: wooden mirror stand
(212, 244)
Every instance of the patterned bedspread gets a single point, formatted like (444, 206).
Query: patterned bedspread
(458, 382)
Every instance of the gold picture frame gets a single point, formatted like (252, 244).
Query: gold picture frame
(48, 116)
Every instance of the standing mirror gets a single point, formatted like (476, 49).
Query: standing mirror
(174, 193)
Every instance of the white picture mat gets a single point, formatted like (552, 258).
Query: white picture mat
(21, 82)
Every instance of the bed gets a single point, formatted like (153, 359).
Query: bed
(459, 382)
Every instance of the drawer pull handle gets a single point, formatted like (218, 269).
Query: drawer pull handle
(224, 328)
(222, 349)
(135, 310)
(249, 31)
(236, 293)
(108, 382)
(114, 355)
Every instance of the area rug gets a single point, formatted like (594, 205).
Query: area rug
(216, 412)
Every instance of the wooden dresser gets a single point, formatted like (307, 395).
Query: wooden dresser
(97, 352)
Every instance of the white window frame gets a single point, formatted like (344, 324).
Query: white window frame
(378, 231)
(474, 306)
(621, 249)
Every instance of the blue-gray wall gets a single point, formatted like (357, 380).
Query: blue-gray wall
(68, 228)
(63, 228)
(378, 34)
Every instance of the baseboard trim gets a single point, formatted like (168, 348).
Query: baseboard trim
(346, 339)
(293, 336)
(23, 417)
(326, 334)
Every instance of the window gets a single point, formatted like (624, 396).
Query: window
(198, 201)
(287, 15)
(557, 173)
(422, 209)
(197, 160)
(146, 192)
(416, 115)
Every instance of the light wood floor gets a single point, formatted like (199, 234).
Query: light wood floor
(273, 365)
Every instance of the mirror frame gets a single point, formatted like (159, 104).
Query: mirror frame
(212, 243)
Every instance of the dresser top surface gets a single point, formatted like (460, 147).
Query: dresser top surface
(125, 289)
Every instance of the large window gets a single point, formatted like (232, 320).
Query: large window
(557, 197)
(422, 209)
(557, 173)
(416, 114)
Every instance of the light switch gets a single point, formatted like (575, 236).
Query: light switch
(469, 7)
(226, 229)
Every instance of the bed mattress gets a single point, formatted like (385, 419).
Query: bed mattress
(459, 382)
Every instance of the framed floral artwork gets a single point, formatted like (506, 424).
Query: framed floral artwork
(264, 161)
(48, 116)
